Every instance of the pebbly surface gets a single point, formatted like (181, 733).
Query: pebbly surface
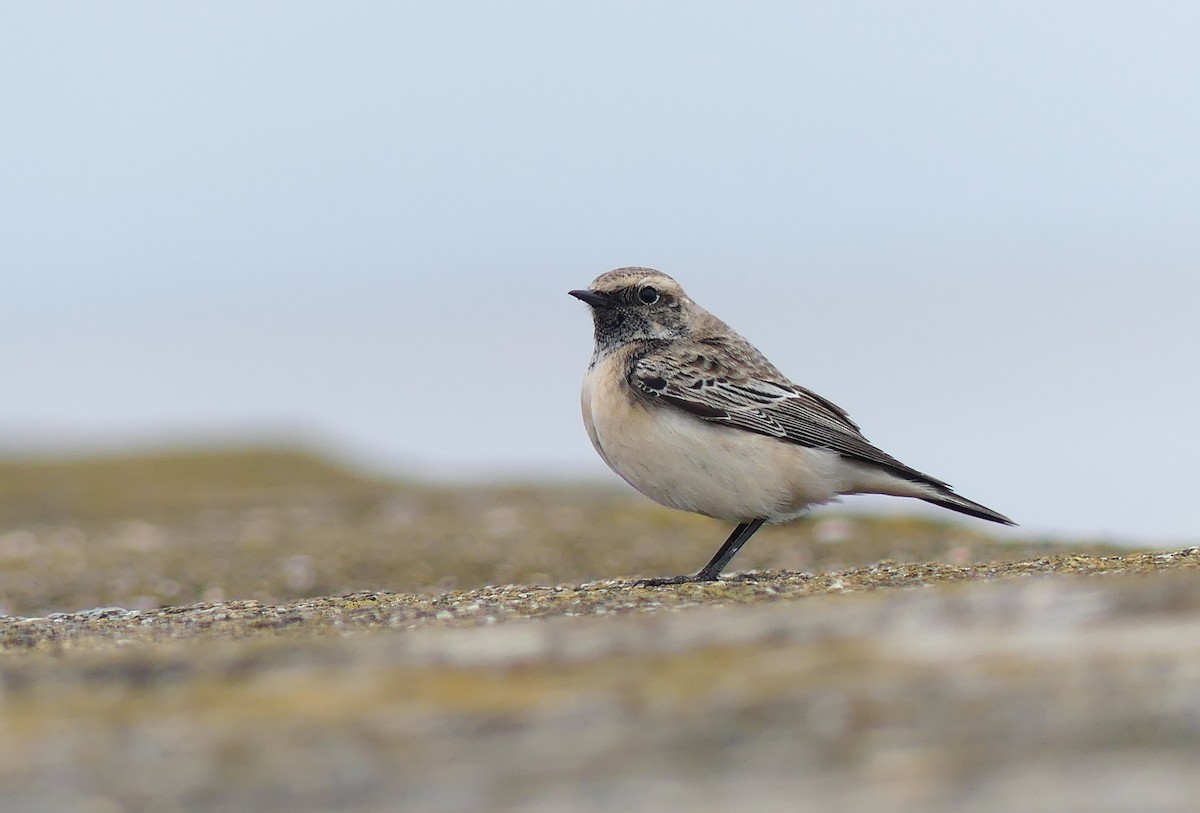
(105, 627)
(1067, 682)
(194, 632)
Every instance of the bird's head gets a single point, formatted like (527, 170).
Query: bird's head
(632, 304)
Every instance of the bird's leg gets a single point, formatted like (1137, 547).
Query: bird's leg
(740, 536)
(712, 571)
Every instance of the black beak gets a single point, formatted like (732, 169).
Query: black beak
(596, 300)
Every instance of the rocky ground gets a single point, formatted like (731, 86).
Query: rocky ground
(213, 633)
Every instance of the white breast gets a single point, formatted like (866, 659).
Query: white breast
(684, 462)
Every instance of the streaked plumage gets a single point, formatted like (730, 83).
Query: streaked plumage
(695, 417)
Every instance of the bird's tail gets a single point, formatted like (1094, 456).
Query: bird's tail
(901, 481)
(948, 499)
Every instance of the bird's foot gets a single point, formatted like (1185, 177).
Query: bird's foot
(698, 578)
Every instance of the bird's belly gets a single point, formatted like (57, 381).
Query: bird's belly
(684, 462)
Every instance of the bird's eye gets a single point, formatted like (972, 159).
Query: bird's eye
(648, 294)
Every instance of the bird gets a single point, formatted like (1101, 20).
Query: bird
(693, 416)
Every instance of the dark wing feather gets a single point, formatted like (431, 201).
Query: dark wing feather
(755, 397)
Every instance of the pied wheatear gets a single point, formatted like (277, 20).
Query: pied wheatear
(694, 416)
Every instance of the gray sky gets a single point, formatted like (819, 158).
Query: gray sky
(975, 226)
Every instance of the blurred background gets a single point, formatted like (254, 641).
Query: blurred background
(350, 229)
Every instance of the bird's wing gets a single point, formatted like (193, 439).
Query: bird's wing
(709, 384)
